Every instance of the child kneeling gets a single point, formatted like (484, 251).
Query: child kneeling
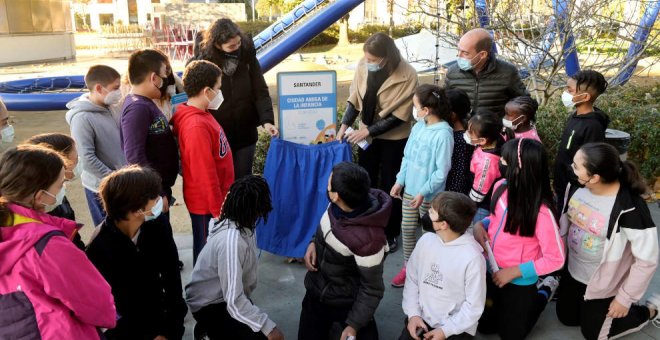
(225, 274)
(345, 259)
(445, 288)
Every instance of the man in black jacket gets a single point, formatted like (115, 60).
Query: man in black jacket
(345, 259)
(489, 82)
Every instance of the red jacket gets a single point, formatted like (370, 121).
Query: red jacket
(208, 168)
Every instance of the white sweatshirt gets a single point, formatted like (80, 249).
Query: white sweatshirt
(446, 283)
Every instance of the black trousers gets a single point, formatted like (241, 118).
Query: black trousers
(215, 321)
(405, 335)
(591, 315)
(511, 311)
(382, 160)
(319, 321)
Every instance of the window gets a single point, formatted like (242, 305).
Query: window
(106, 19)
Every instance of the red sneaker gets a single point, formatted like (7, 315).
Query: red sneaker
(400, 279)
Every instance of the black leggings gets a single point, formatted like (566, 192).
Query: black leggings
(591, 315)
(405, 335)
(322, 321)
(215, 321)
(511, 311)
(382, 160)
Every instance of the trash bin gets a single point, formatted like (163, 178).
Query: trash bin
(620, 140)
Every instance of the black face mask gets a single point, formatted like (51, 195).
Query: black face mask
(233, 55)
(166, 82)
(503, 169)
(576, 181)
(427, 224)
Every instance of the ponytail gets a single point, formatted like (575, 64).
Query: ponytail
(599, 158)
(630, 177)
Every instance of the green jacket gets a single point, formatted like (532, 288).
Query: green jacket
(498, 83)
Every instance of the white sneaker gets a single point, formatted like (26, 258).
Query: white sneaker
(551, 283)
(653, 302)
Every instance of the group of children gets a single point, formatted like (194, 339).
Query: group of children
(491, 257)
(602, 255)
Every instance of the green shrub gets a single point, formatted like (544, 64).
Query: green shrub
(632, 109)
(253, 28)
(398, 31)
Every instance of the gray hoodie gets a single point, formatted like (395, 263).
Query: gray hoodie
(96, 132)
(226, 271)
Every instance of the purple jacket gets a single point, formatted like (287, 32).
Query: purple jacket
(50, 286)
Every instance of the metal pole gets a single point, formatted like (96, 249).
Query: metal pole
(436, 74)
(253, 18)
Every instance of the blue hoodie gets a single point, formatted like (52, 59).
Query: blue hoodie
(426, 159)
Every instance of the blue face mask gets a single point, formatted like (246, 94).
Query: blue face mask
(156, 210)
(373, 67)
(465, 64)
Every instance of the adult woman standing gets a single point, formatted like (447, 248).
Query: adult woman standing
(382, 95)
(247, 103)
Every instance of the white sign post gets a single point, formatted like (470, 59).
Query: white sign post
(308, 106)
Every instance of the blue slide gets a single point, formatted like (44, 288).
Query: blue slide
(273, 45)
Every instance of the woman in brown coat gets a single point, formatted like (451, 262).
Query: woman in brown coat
(381, 94)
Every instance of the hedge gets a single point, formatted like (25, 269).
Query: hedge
(330, 35)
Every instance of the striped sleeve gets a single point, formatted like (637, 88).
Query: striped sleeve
(230, 272)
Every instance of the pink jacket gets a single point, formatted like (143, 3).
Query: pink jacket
(66, 297)
(486, 171)
(531, 134)
(538, 255)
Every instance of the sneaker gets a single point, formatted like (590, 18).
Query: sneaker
(400, 279)
(393, 245)
(548, 286)
(653, 302)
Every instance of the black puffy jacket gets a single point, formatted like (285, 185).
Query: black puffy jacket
(247, 103)
(495, 85)
(350, 254)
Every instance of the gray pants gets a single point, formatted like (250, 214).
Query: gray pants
(243, 159)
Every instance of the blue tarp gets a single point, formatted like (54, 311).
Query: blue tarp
(298, 178)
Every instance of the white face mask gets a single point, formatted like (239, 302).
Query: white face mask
(467, 139)
(567, 99)
(416, 115)
(217, 100)
(112, 98)
(8, 134)
(510, 123)
(156, 210)
(77, 170)
(58, 200)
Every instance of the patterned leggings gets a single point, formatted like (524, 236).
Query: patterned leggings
(410, 223)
